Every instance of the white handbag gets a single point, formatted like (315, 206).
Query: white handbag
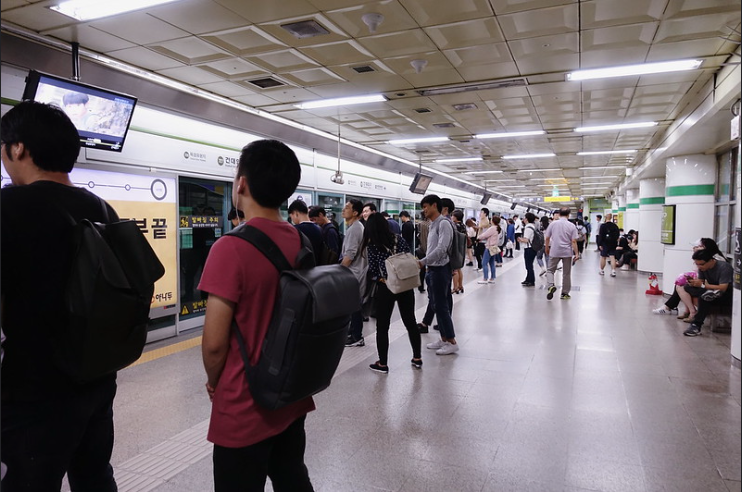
(403, 273)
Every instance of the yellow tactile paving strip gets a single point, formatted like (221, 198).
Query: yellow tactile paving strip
(168, 350)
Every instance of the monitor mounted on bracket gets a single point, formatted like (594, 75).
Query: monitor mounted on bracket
(101, 116)
(486, 198)
(420, 183)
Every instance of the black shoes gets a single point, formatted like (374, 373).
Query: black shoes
(353, 342)
(422, 327)
(550, 293)
(417, 363)
(528, 284)
(376, 367)
(421, 290)
(470, 264)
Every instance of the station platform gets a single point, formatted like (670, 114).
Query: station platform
(594, 393)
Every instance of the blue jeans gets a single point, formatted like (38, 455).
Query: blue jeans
(528, 255)
(488, 261)
(439, 282)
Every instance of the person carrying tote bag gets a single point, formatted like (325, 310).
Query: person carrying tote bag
(381, 244)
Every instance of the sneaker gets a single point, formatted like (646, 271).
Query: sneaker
(711, 295)
(543, 272)
(663, 310)
(436, 345)
(601, 272)
(613, 273)
(482, 281)
(528, 284)
(417, 364)
(422, 328)
(470, 264)
(693, 331)
(447, 349)
(435, 327)
(352, 342)
(550, 293)
(565, 297)
(376, 367)
(491, 281)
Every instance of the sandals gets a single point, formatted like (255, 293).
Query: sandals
(685, 315)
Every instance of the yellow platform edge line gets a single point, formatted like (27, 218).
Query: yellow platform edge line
(169, 350)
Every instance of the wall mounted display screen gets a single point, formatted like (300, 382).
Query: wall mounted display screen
(486, 198)
(420, 183)
(102, 117)
(667, 232)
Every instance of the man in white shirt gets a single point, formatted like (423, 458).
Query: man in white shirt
(353, 258)
(561, 246)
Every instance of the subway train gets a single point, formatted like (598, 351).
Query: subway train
(481, 102)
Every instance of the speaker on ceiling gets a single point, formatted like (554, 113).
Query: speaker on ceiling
(512, 207)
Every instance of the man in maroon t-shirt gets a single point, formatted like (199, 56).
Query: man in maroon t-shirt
(251, 442)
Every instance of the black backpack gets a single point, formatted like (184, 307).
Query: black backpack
(612, 233)
(108, 296)
(308, 328)
(457, 253)
(537, 243)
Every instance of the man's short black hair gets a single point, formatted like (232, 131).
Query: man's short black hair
(530, 217)
(447, 203)
(298, 206)
(432, 200)
(234, 213)
(385, 214)
(404, 213)
(371, 206)
(356, 205)
(703, 255)
(458, 214)
(316, 211)
(486, 211)
(46, 132)
(272, 171)
(599, 216)
(564, 212)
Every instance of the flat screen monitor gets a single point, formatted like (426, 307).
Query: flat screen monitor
(102, 117)
(486, 198)
(420, 183)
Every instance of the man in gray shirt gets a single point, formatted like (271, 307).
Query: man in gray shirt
(437, 263)
(561, 246)
(352, 257)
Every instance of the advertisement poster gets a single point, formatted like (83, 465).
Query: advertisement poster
(737, 256)
(667, 232)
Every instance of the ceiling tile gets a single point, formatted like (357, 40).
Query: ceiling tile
(340, 53)
(245, 41)
(190, 50)
(140, 56)
(395, 18)
(693, 8)
(434, 78)
(257, 12)
(292, 95)
(139, 28)
(197, 16)
(91, 38)
(467, 33)
(490, 71)
(697, 27)
(226, 89)
(555, 20)
(283, 61)
(36, 17)
(255, 100)
(695, 48)
(312, 77)
(446, 12)
(398, 44)
(334, 89)
(189, 75)
(601, 13)
(479, 55)
(334, 33)
(510, 6)
(233, 69)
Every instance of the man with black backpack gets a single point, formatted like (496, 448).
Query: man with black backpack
(608, 235)
(330, 235)
(51, 423)
(250, 441)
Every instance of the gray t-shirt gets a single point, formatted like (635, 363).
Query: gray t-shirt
(722, 273)
(352, 249)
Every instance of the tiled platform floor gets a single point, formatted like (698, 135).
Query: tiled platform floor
(591, 394)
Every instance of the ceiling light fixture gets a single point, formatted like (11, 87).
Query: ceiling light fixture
(462, 159)
(342, 101)
(405, 141)
(84, 10)
(528, 156)
(372, 20)
(509, 134)
(624, 126)
(511, 186)
(419, 64)
(640, 69)
(590, 168)
(599, 177)
(538, 170)
(606, 152)
(499, 84)
(484, 172)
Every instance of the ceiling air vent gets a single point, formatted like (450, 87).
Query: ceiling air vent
(464, 107)
(423, 110)
(266, 83)
(444, 125)
(364, 69)
(305, 29)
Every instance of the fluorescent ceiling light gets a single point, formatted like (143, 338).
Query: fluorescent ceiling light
(598, 177)
(538, 170)
(624, 126)
(509, 134)
(551, 186)
(606, 152)
(84, 10)
(462, 159)
(497, 84)
(641, 69)
(586, 185)
(511, 186)
(601, 167)
(405, 141)
(484, 172)
(527, 156)
(342, 101)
